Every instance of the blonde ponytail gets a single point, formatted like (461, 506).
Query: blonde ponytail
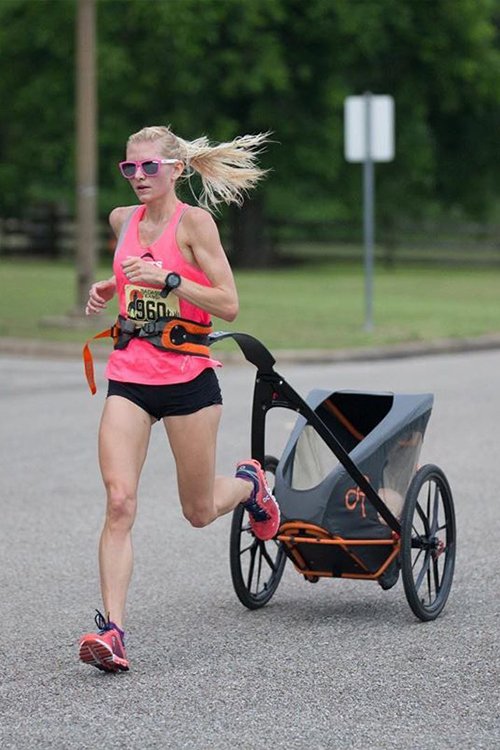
(227, 170)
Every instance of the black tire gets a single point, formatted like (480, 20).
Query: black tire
(428, 542)
(256, 566)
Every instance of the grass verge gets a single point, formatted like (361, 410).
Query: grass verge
(321, 306)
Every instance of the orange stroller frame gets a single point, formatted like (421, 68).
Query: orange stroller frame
(335, 524)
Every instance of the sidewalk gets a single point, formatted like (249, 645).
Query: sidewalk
(100, 351)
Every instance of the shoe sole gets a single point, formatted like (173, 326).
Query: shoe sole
(99, 655)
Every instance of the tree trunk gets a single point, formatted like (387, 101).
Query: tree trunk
(249, 239)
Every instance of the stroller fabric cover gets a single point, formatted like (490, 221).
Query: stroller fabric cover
(382, 433)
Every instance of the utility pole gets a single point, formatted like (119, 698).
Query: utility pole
(86, 151)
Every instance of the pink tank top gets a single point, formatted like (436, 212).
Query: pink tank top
(140, 362)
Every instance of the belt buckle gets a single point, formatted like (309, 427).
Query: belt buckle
(178, 335)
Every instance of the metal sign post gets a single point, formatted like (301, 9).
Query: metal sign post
(368, 213)
(369, 137)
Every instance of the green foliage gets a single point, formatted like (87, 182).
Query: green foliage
(226, 67)
(36, 88)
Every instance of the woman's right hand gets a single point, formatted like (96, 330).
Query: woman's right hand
(100, 294)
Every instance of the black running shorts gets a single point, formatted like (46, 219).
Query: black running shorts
(171, 400)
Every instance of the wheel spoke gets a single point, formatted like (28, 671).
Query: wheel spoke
(430, 527)
(435, 570)
(415, 560)
(424, 518)
(429, 581)
(258, 554)
(435, 511)
(259, 569)
(245, 549)
(267, 557)
(423, 572)
(253, 550)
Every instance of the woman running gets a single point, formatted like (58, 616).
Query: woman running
(171, 275)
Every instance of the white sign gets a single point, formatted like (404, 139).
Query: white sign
(369, 128)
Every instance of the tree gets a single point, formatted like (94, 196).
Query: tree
(227, 67)
(37, 119)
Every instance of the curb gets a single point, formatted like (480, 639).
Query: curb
(70, 350)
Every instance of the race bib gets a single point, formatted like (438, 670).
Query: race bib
(143, 304)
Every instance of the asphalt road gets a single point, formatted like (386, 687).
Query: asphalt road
(337, 665)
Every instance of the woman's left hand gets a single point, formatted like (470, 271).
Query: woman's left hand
(138, 270)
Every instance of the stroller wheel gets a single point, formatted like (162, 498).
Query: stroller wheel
(256, 566)
(428, 542)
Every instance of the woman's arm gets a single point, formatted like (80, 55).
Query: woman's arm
(198, 235)
(101, 292)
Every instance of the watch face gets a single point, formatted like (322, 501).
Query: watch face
(173, 280)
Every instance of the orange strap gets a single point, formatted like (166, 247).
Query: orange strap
(343, 420)
(88, 362)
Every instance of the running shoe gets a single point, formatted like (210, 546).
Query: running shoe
(105, 649)
(263, 510)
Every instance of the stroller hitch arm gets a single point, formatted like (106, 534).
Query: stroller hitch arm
(272, 390)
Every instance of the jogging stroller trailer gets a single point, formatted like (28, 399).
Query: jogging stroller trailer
(354, 501)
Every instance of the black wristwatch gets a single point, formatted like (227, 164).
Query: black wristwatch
(172, 281)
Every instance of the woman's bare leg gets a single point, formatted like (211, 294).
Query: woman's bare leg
(204, 497)
(123, 442)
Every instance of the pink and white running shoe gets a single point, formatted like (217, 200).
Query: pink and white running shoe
(105, 649)
(263, 510)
